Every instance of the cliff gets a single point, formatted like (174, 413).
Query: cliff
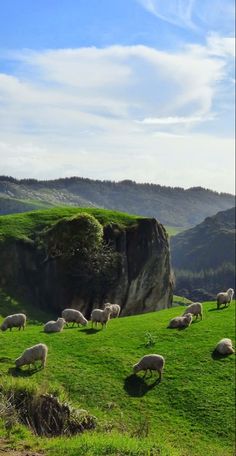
(51, 269)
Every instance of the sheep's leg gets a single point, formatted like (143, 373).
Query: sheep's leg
(73, 324)
(160, 375)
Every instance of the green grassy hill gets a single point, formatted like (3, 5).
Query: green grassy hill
(190, 413)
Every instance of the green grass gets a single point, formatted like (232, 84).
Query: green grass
(27, 224)
(190, 413)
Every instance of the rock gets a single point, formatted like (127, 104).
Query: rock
(140, 279)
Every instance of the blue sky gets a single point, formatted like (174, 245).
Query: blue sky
(137, 89)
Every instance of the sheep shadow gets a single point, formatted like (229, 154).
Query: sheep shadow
(90, 331)
(137, 387)
(220, 308)
(16, 372)
(218, 356)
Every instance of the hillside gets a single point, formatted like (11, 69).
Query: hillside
(174, 207)
(185, 414)
(204, 256)
(207, 245)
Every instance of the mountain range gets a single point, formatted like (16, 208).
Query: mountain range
(172, 206)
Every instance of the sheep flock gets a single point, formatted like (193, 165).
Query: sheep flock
(149, 362)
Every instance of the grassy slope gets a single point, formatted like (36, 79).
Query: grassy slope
(26, 224)
(189, 413)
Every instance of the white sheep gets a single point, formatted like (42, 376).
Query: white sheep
(224, 297)
(195, 309)
(115, 309)
(31, 355)
(151, 363)
(181, 322)
(54, 326)
(14, 321)
(101, 316)
(225, 347)
(74, 316)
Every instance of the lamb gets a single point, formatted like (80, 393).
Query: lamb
(151, 363)
(14, 321)
(181, 322)
(101, 316)
(74, 316)
(31, 355)
(195, 309)
(224, 297)
(115, 309)
(225, 347)
(54, 326)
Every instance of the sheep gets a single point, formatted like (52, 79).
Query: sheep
(225, 347)
(54, 326)
(74, 316)
(151, 363)
(181, 322)
(14, 321)
(101, 316)
(225, 297)
(31, 355)
(195, 309)
(115, 309)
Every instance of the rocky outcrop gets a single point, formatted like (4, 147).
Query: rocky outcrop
(141, 280)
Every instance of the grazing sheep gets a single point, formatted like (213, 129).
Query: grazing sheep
(115, 309)
(151, 363)
(195, 309)
(74, 316)
(101, 316)
(181, 322)
(14, 321)
(31, 355)
(224, 297)
(225, 347)
(54, 326)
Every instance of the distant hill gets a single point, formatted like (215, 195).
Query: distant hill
(203, 257)
(172, 206)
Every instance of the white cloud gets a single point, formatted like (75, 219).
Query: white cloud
(197, 15)
(118, 112)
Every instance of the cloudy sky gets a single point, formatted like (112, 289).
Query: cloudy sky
(128, 89)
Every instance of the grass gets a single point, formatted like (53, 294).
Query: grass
(25, 225)
(190, 413)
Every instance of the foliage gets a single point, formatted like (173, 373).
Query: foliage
(186, 414)
(204, 283)
(150, 339)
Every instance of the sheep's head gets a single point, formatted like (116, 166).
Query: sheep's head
(84, 322)
(108, 310)
(230, 293)
(18, 362)
(136, 368)
(3, 326)
(188, 317)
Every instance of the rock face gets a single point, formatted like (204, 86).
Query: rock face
(142, 281)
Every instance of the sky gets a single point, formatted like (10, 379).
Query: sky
(129, 89)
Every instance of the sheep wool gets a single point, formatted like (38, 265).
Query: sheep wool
(54, 326)
(150, 362)
(74, 316)
(195, 309)
(181, 322)
(31, 355)
(225, 347)
(224, 297)
(14, 321)
(101, 316)
(115, 309)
